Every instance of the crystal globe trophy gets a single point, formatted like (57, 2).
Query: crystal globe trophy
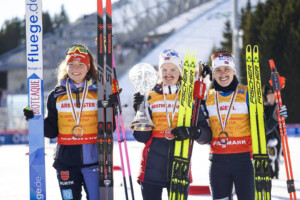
(143, 78)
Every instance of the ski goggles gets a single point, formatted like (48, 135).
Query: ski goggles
(169, 53)
(170, 56)
(79, 48)
(78, 53)
(221, 54)
(222, 58)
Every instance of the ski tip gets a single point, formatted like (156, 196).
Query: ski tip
(108, 7)
(194, 54)
(248, 48)
(100, 8)
(255, 49)
(188, 53)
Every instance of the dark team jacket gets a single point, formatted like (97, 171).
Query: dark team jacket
(157, 155)
(73, 154)
(269, 112)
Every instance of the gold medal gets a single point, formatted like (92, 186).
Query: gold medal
(223, 137)
(168, 134)
(77, 131)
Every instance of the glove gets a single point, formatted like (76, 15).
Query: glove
(113, 98)
(28, 113)
(183, 133)
(206, 71)
(282, 112)
(137, 100)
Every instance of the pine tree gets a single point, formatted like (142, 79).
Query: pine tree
(61, 19)
(227, 34)
(47, 23)
(275, 27)
(11, 34)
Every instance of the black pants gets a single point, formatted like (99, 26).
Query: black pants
(229, 169)
(152, 192)
(71, 181)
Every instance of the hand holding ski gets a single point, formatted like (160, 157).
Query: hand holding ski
(181, 164)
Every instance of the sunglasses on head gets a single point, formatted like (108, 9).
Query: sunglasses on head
(79, 48)
(221, 54)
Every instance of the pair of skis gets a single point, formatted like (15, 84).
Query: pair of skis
(260, 155)
(105, 111)
(107, 85)
(261, 163)
(181, 164)
(277, 83)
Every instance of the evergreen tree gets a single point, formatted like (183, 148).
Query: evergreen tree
(227, 34)
(11, 34)
(61, 19)
(275, 27)
(47, 23)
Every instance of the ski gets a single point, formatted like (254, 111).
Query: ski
(119, 118)
(259, 146)
(34, 57)
(277, 82)
(181, 164)
(105, 111)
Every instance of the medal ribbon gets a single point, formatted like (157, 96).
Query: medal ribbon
(75, 110)
(223, 125)
(174, 108)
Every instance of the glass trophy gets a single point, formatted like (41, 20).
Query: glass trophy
(143, 78)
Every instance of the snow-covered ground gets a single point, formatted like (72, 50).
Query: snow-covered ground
(201, 34)
(14, 172)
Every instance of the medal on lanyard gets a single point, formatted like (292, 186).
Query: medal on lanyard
(77, 130)
(167, 132)
(223, 136)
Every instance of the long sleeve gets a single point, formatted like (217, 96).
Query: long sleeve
(205, 131)
(270, 122)
(50, 122)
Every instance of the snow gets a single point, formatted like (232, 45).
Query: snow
(14, 172)
(200, 33)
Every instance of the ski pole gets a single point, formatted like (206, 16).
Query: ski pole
(124, 138)
(121, 153)
(278, 83)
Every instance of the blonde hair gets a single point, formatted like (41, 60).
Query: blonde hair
(62, 69)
